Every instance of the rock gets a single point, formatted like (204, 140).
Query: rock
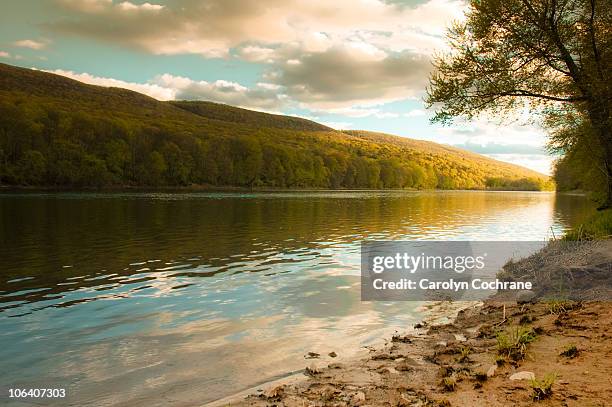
(523, 376)
(332, 354)
(312, 355)
(336, 365)
(404, 401)
(491, 371)
(406, 365)
(313, 369)
(274, 392)
(391, 370)
(358, 398)
(402, 339)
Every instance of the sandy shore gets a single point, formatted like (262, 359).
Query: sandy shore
(487, 356)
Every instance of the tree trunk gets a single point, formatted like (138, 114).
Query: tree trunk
(600, 120)
(607, 203)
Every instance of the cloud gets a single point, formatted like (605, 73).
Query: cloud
(499, 148)
(325, 54)
(4, 54)
(128, 6)
(262, 96)
(415, 113)
(321, 54)
(337, 125)
(347, 76)
(254, 53)
(104, 6)
(537, 162)
(483, 132)
(214, 26)
(32, 44)
(153, 90)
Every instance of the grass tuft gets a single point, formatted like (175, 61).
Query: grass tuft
(512, 344)
(557, 306)
(449, 383)
(542, 389)
(465, 354)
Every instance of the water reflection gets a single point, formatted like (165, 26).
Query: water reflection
(152, 294)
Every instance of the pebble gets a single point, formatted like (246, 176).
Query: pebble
(359, 397)
(491, 371)
(523, 376)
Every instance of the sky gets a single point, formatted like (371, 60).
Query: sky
(349, 64)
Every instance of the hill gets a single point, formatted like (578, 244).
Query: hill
(233, 114)
(56, 131)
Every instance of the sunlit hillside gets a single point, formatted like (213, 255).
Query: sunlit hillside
(55, 131)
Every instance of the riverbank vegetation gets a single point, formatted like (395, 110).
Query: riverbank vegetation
(598, 226)
(55, 131)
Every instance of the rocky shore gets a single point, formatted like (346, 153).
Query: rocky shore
(536, 348)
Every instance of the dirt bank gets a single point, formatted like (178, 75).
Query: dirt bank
(487, 357)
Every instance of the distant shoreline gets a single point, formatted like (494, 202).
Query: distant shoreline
(207, 188)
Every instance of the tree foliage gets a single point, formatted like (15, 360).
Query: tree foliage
(59, 132)
(553, 55)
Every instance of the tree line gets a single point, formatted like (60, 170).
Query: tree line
(44, 145)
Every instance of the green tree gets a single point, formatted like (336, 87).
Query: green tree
(117, 156)
(554, 54)
(156, 168)
(33, 166)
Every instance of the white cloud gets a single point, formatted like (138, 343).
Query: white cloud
(32, 44)
(337, 125)
(190, 26)
(261, 96)
(482, 131)
(153, 90)
(415, 113)
(325, 54)
(255, 53)
(4, 54)
(128, 6)
(537, 162)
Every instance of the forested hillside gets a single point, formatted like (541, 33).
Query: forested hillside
(55, 131)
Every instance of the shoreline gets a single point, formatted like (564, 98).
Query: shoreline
(460, 363)
(208, 188)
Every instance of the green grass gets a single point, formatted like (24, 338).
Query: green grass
(598, 226)
(558, 306)
(542, 389)
(465, 354)
(512, 344)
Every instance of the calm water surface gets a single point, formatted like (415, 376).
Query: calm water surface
(150, 299)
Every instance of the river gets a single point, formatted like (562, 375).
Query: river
(157, 299)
